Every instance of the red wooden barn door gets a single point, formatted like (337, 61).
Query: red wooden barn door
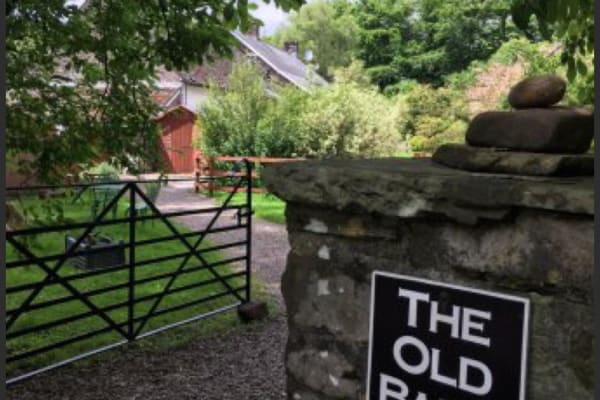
(182, 150)
(177, 140)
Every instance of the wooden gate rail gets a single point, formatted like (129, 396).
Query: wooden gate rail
(205, 168)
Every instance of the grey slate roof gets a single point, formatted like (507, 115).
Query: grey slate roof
(287, 65)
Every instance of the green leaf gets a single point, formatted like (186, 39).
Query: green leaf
(229, 12)
(581, 67)
(571, 69)
(521, 14)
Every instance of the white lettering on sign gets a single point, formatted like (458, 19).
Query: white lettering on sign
(413, 298)
(430, 360)
(465, 323)
(453, 320)
(435, 370)
(391, 388)
(468, 325)
(463, 375)
(419, 368)
(461, 320)
(446, 342)
(386, 392)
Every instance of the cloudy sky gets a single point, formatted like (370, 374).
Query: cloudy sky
(271, 16)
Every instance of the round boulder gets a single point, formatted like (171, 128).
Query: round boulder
(537, 92)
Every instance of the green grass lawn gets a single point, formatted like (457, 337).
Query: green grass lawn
(53, 243)
(266, 206)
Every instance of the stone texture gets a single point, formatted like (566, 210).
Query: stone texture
(530, 237)
(544, 256)
(537, 91)
(542, 130)
(479, 159)
(324, 372)
(411, 188)
(526, 251)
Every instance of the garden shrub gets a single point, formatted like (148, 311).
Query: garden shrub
(418, 143)
(230, 118)
(252, 118)
(345, 120)
(351, 118)
(431, 117)
(355, 73)
(103, 168)
(280, 131)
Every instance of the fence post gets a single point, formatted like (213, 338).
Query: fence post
(248, 228)
(258, 169)
(131, 298)
(211, 172)
(197, 174)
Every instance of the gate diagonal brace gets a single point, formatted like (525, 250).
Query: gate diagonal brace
(69, 287)
(193, 251)
(52, 272)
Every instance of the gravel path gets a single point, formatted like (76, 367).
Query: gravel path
(246, 363)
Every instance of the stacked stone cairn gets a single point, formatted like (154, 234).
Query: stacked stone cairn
(537, 138)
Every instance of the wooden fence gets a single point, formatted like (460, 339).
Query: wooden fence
(207, 166)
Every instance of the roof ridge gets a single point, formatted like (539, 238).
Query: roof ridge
(244, 40)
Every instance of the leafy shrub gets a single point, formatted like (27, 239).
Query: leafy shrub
(464, 79)
(230, 118)
(280, 127)
(580, 91)
(345, 120)
(418, 143)
(513, 51)
(353, 73)
(431, 117)
(103, 168)
(249, 119)
(252, 119)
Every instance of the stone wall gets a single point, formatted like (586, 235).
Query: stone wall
(532, 237)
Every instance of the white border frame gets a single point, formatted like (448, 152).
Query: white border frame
(523, 300)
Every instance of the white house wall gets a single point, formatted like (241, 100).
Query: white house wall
(194, 97)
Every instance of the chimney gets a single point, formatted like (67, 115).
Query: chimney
(291, 48)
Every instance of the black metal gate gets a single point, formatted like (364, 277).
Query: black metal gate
(147, 286)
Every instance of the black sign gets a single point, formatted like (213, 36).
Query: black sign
(434, 341)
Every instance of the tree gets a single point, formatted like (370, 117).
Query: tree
(327, 28)
(384, 27)
(252, 117)
(79, 79)
(571, 21)
(428, 39)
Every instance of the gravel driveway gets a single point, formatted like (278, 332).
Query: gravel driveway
(245, 363)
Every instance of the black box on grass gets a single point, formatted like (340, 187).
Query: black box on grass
(103, 252)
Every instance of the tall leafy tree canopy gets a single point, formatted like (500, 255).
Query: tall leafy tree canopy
(79, 79)
(325, 27)
(427, 39)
